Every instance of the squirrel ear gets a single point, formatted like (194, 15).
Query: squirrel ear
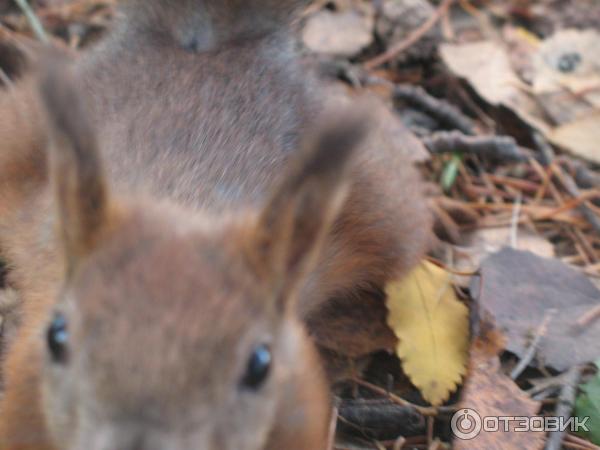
(298, 216)
(75, 167)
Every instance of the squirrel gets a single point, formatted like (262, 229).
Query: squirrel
(169, 328)
(180, 227)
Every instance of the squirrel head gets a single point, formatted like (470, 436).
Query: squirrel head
(173, 329)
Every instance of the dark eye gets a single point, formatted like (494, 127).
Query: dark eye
(259, 366)
(58, 338)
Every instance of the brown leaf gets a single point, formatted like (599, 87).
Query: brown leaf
(518, 289)
(491, 393)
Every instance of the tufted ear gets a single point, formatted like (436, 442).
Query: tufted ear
(299, 214)
(75, 167)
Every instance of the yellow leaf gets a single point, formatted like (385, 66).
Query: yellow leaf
(432, 326)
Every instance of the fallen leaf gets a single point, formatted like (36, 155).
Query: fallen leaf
(489, 393)
(432, 326)
(340, 33)
(569, 59)
(582, 136)
(485, 241)
(518, 289)
(566, 82)
(564, 97)
(487, 67)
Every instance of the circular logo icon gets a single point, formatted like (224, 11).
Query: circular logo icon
(466, 424)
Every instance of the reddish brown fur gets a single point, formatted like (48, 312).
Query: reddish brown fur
(218, 269)
(190, 125)
(22, 160)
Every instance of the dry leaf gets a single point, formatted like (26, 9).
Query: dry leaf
(432, 326)
(582, 136)
(487, 67)
(340, 33)
(484, 242)
(518, 289)
(569, 59)
(564, 98)
(490, 393)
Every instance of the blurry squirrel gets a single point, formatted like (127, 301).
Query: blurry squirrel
(181, 223)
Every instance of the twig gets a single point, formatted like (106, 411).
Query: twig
(425, 410)
(458, 209)
(543, 396)
(445, 112)
(545, 149)
(517, 183)
(589, 317)
(500, 147)
(34, 22)
(566, 179)
(566, 400)
(490, 124)
(514, 224)
(544, 384)
(585, 178)
(485, 24)
(532, 350)
(380, 418)
(573, 191)
(445, 221)
(411, 39)
(543, 173)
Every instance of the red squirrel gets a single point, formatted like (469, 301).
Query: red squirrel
(181, 224)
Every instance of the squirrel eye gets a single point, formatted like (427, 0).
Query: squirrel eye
(259, 366)
(57, 338)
